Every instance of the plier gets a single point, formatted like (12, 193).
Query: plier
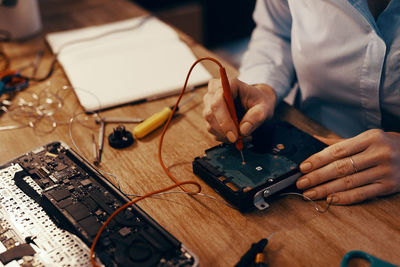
(12, 81)
(357, 254)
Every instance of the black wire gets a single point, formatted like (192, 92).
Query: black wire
(49, 73)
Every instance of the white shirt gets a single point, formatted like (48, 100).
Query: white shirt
(347, 64)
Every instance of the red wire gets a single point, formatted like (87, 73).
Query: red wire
(172, 114)
(177, 183)
(129, 204)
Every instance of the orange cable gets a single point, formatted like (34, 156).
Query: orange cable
(173, 178)
(129, 204)
(173, 112)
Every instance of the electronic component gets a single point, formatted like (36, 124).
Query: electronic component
(272, 164)
(57, 201)
(120, 137)
(28, 237)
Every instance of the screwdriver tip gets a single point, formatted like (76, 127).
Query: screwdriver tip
(241, 153)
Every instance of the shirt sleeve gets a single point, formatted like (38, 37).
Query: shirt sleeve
(268, 59)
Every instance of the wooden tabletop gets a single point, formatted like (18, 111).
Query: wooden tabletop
(218, 234)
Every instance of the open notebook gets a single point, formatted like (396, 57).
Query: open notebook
(126, 61)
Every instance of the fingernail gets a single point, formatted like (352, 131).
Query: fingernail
(231, 136)
(305, 166)
(246, 127)
(303, 183)
(311, 194)
(332, 199)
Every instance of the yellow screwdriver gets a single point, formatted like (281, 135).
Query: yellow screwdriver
(156, 120)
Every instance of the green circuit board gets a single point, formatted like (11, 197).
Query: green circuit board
(257, 168)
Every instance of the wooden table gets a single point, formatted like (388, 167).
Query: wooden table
(218, 234)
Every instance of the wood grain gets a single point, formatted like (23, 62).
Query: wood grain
(218, 234)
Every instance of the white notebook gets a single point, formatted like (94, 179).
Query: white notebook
(142, 59)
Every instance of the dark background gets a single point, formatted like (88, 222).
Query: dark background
(210, 22)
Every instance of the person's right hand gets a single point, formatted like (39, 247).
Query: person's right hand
(258, 101)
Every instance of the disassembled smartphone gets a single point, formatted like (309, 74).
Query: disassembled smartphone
(271, 165)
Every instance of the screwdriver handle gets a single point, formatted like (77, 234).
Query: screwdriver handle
(151, 123)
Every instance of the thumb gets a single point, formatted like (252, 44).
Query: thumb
(253, 118)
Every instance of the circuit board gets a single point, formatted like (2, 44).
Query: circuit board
(27, 236)
(74, 199)
(253, 172)
(271, 164)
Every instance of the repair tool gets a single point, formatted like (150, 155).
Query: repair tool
(101, 140)
(256, 248)
(259, 261)
(231, 108)
(357, 254)
(11, 81)
(156, 120)
(119, 120)
(102, 122)
(95, 152)
(120, 138)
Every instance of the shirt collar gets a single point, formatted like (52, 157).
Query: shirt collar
(362, 7)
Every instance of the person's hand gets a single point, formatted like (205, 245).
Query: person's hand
(258, 101)
(354, 169)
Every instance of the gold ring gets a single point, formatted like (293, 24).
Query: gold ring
(354, 165)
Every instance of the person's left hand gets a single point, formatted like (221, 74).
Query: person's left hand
(355, 169)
